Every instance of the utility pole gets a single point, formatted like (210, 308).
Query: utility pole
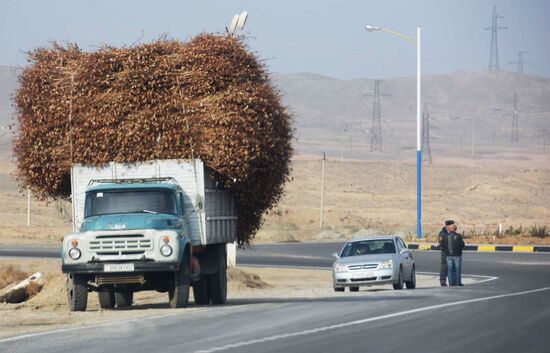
(322, 190)
(473, 135)
(376, 130)
(28, 207)
(519, 62)
(343, 141)
(515, 130)
(426, 149)
(493, 54)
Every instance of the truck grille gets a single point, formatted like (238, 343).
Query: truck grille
(119, 279)
(121, 245)
(363, 267)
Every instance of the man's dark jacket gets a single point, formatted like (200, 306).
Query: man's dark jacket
(453, 244)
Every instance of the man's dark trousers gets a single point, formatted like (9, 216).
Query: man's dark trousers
(443, 269)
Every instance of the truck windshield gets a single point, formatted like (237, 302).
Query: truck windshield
(369, 247)
(136, 201)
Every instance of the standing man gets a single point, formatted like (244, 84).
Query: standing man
(441, 239)
(453, 246)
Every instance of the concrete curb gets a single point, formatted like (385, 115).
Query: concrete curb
(487, 248)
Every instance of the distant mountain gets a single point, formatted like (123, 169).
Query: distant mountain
(335, 115)
(332, 114)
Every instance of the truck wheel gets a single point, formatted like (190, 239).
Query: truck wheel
(179, 291)
(77, 292)
(123, 297)
(200, 291)
(217, 286)
(339, 289)
(106, 297)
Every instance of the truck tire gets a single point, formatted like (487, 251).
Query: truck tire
(77, 292)
(123, 297)
(339, 289)
(354, 289)
(106, 296)
(217, 286)
(200, 291)
(178, 293)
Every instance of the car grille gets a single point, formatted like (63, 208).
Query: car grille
(363, 267)
(363, 279)
(121, 245)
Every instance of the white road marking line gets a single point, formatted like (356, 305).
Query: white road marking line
(363, 321)
(486, 278)
(106, 324)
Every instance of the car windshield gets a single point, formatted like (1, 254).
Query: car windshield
(369, 247)
(134, 201)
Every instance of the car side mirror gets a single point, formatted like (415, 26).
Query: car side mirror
(404, 250)
(335, 255)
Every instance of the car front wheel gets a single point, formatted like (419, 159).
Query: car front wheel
(399, 284)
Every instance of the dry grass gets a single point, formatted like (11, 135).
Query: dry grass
(381, 197)
(10, 275)
(378, 196)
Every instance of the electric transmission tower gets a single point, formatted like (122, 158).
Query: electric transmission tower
(426, 149)
(515, 130)
(376, 130)
(519, 62)
(493, 55)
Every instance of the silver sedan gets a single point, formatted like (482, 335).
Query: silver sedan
(374, 261)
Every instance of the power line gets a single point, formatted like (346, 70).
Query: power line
(493, 54)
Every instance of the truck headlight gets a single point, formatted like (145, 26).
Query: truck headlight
(338, 267)
(74, 253)
(387, 264)
(166, 250)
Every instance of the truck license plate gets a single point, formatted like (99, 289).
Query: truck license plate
(118, 267)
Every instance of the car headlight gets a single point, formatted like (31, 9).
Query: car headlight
(166, 250)
(387, 264)
(74, 253)
(338, 267)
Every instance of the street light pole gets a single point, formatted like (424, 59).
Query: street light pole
(418, 46)
(418, 135)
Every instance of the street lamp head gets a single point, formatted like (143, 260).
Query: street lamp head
(370, 28)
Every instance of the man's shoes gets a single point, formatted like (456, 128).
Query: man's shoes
(460, 285)
(443, 284)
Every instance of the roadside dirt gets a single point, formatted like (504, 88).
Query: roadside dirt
(48, 309)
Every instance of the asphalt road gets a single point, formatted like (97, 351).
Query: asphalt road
(508, 314)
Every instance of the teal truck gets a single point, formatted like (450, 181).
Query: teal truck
(156, 225)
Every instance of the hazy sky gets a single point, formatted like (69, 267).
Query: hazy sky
(325, 37)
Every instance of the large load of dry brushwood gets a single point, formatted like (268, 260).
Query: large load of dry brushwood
(208, 98)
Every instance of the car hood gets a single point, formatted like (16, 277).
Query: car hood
(364, 259)
(130, 221)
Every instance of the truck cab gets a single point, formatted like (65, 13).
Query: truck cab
(134, 234)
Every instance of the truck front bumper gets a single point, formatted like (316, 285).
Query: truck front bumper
(98, 267)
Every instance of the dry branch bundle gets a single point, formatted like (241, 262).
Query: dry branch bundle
(208, 97)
